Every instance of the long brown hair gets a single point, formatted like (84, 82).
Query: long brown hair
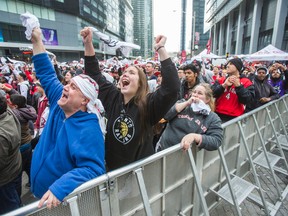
(140, 99)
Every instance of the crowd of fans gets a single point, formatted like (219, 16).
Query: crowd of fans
(146, 106)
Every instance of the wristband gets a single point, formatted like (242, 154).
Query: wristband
(159, 48)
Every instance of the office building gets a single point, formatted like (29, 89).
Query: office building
(143, 27)
(61, 22)
(244, 27)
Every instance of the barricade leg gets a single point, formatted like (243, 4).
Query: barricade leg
(143, 191)
(268, 162)
(74, 209)
(277, 140)
(283, 127)
(198, 186)
(227, 174)
(253, 169)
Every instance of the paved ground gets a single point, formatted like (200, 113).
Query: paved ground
(26, 196)
(249, 208)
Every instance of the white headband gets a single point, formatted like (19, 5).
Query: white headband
(90, 89)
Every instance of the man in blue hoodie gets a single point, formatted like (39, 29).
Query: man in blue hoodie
(71, 148)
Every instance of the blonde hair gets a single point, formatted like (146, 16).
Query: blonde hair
(208, 94)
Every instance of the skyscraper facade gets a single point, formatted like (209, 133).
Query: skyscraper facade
(244, 27)
(192, 26)
(143, 27)
(200, 37)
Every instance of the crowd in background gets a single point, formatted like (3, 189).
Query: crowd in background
(21, 78)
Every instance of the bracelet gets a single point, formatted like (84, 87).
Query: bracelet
(159, 48)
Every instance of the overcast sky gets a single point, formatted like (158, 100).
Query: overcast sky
(167, 18)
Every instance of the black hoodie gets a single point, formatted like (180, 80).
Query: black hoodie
(123, 139)
(262, 89)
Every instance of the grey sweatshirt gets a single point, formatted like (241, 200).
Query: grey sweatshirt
(187, 121)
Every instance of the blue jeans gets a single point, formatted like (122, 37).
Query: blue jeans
(26, 153)
(9, 195)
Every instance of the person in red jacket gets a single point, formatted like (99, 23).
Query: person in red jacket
(233, 93)
(42, 114)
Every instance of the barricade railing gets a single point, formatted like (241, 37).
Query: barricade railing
(254, 133)
(173, 182)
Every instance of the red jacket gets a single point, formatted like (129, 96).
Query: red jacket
(219, 78)
(42, 104)
(231, 100)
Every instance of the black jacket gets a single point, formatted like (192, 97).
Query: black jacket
(262, 89)
(184, 91)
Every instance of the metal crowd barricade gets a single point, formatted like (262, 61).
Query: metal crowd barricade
(160, 184)
(173, 182)
(255, 133)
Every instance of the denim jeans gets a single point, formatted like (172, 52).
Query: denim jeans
(10, 195)
(26, 159)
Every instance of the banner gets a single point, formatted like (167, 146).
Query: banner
(208, 45)
(183, 57)
(197, 38)
(49, 36)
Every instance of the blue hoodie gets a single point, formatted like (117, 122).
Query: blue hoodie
(70, 151)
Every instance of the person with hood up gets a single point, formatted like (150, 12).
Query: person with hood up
(264, 92)
(26, 115)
